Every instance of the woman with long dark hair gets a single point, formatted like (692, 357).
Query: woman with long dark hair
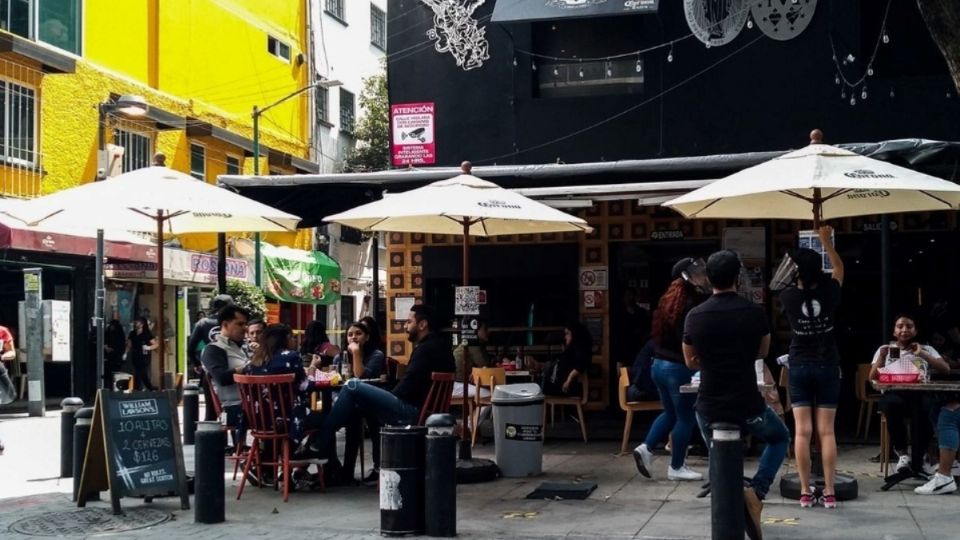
(670, 372)
(140, 344)
(563, 377)
(316, 346)
(810, 306)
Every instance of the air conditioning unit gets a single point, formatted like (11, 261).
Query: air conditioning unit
(110, 161)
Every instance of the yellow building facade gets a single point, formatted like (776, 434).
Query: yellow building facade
(201, 65)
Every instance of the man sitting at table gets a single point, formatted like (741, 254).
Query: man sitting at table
(431, 354)
(722, 337)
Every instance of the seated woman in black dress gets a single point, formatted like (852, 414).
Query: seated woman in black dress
(562, 378)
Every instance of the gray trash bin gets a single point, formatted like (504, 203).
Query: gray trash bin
(518, 429)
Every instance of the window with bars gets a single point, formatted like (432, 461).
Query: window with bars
(233, 165)
(198, 162)
(18, 123)
(322, 100)
(348, 113)
(335, 9)
(137, 149)
(378, 27)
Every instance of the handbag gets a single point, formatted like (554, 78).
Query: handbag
(8, 392)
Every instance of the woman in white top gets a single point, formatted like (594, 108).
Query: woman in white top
(908, 406)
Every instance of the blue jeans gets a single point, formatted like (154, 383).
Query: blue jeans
(677, 417)
(770, 429)
(387, 408)
(948, 429)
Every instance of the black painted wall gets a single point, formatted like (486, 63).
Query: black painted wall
(766, 97)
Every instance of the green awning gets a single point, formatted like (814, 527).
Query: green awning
(303, 277)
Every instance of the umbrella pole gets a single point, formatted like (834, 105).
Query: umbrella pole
(465, 451)
(817, 209)
(159, 337)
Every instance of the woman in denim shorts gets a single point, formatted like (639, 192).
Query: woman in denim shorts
(810, 305)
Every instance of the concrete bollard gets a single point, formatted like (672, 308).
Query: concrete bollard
(191, 412)
(726, 483)
(68, 408)
(441, 477)
(208, 501)
(81, 433)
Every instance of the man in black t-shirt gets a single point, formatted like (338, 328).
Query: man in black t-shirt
(722, 338)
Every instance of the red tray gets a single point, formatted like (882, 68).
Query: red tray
(899, 378)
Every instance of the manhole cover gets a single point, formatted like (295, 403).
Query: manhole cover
(88, 521)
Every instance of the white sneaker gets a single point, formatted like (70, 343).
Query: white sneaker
(903, 464)
(938, 485)
(643, 457)
(683, 473)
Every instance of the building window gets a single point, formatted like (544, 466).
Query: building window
(278, 48)
(16, 17)
(323, 105)
(378, 27)
(18, 120)
(59, 24)
(233, 165)
(335, 9)
(347, 111)
(137, 149)
(198, 162)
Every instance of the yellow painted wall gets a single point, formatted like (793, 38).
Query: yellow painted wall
(205, 59)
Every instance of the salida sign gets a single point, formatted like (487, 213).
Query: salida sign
(413, 128)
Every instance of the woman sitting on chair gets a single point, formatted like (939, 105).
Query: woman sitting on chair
(562, 377)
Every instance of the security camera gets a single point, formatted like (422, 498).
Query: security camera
(101, 173)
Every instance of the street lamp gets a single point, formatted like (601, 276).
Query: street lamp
(131, 106)
(257, 113)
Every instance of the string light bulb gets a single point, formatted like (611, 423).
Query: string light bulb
(886, 37)
(514, 61)
(580, 73)
(639, 66)
(863, 92)
(853, 100)
(870, 71)
(670, 54)
(836, 79)
(609, 71)
(533, 65)
(749, 24)
(892, 93)
(556, 71)
(843, 94)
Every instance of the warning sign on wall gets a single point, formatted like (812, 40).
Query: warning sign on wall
(413, 128)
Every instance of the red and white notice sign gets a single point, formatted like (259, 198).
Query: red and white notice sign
(413, 142)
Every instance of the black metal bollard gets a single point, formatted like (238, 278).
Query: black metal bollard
(81, 433)
(401, 480)
(208, 501)
(68, 408)
(191, 412)
(441, 476)
(726, 483)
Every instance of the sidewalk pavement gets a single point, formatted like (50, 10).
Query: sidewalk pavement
(624, 504)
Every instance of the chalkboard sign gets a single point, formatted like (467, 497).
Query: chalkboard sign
(134, 448)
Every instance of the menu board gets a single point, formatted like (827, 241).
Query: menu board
(134, 448)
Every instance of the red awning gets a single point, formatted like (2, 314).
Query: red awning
(38, 239)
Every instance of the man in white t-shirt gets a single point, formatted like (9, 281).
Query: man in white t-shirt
(901, 407)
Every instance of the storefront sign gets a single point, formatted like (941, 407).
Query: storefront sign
(592, 299)
(413, 130)
(593, 278)
(748, 242)
(181, 266)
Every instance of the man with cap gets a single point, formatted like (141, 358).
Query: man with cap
(722, 338)
(205, 332)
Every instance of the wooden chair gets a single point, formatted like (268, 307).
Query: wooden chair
(438, 398)
(867, 400)
(578, 402)
(238, 455)
(487, 378)
(266, 402)
(631, 407)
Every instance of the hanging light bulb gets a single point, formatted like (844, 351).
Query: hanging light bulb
(514, 61)
(670, 55)
(863, 92)
(580, 73)
(556, 71)
(843, 93)
(853, 100)
(708, 44)
(870, 71)
(886, 36)
(892, 93)
(639, 66)
(609, 70)
(749, 24)
(850, 58)
(533, 65)
(836, 79)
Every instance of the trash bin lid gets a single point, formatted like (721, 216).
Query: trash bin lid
(517, 393)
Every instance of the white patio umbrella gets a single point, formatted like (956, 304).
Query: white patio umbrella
(462, 205)
(154, 200)
(819, 182)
